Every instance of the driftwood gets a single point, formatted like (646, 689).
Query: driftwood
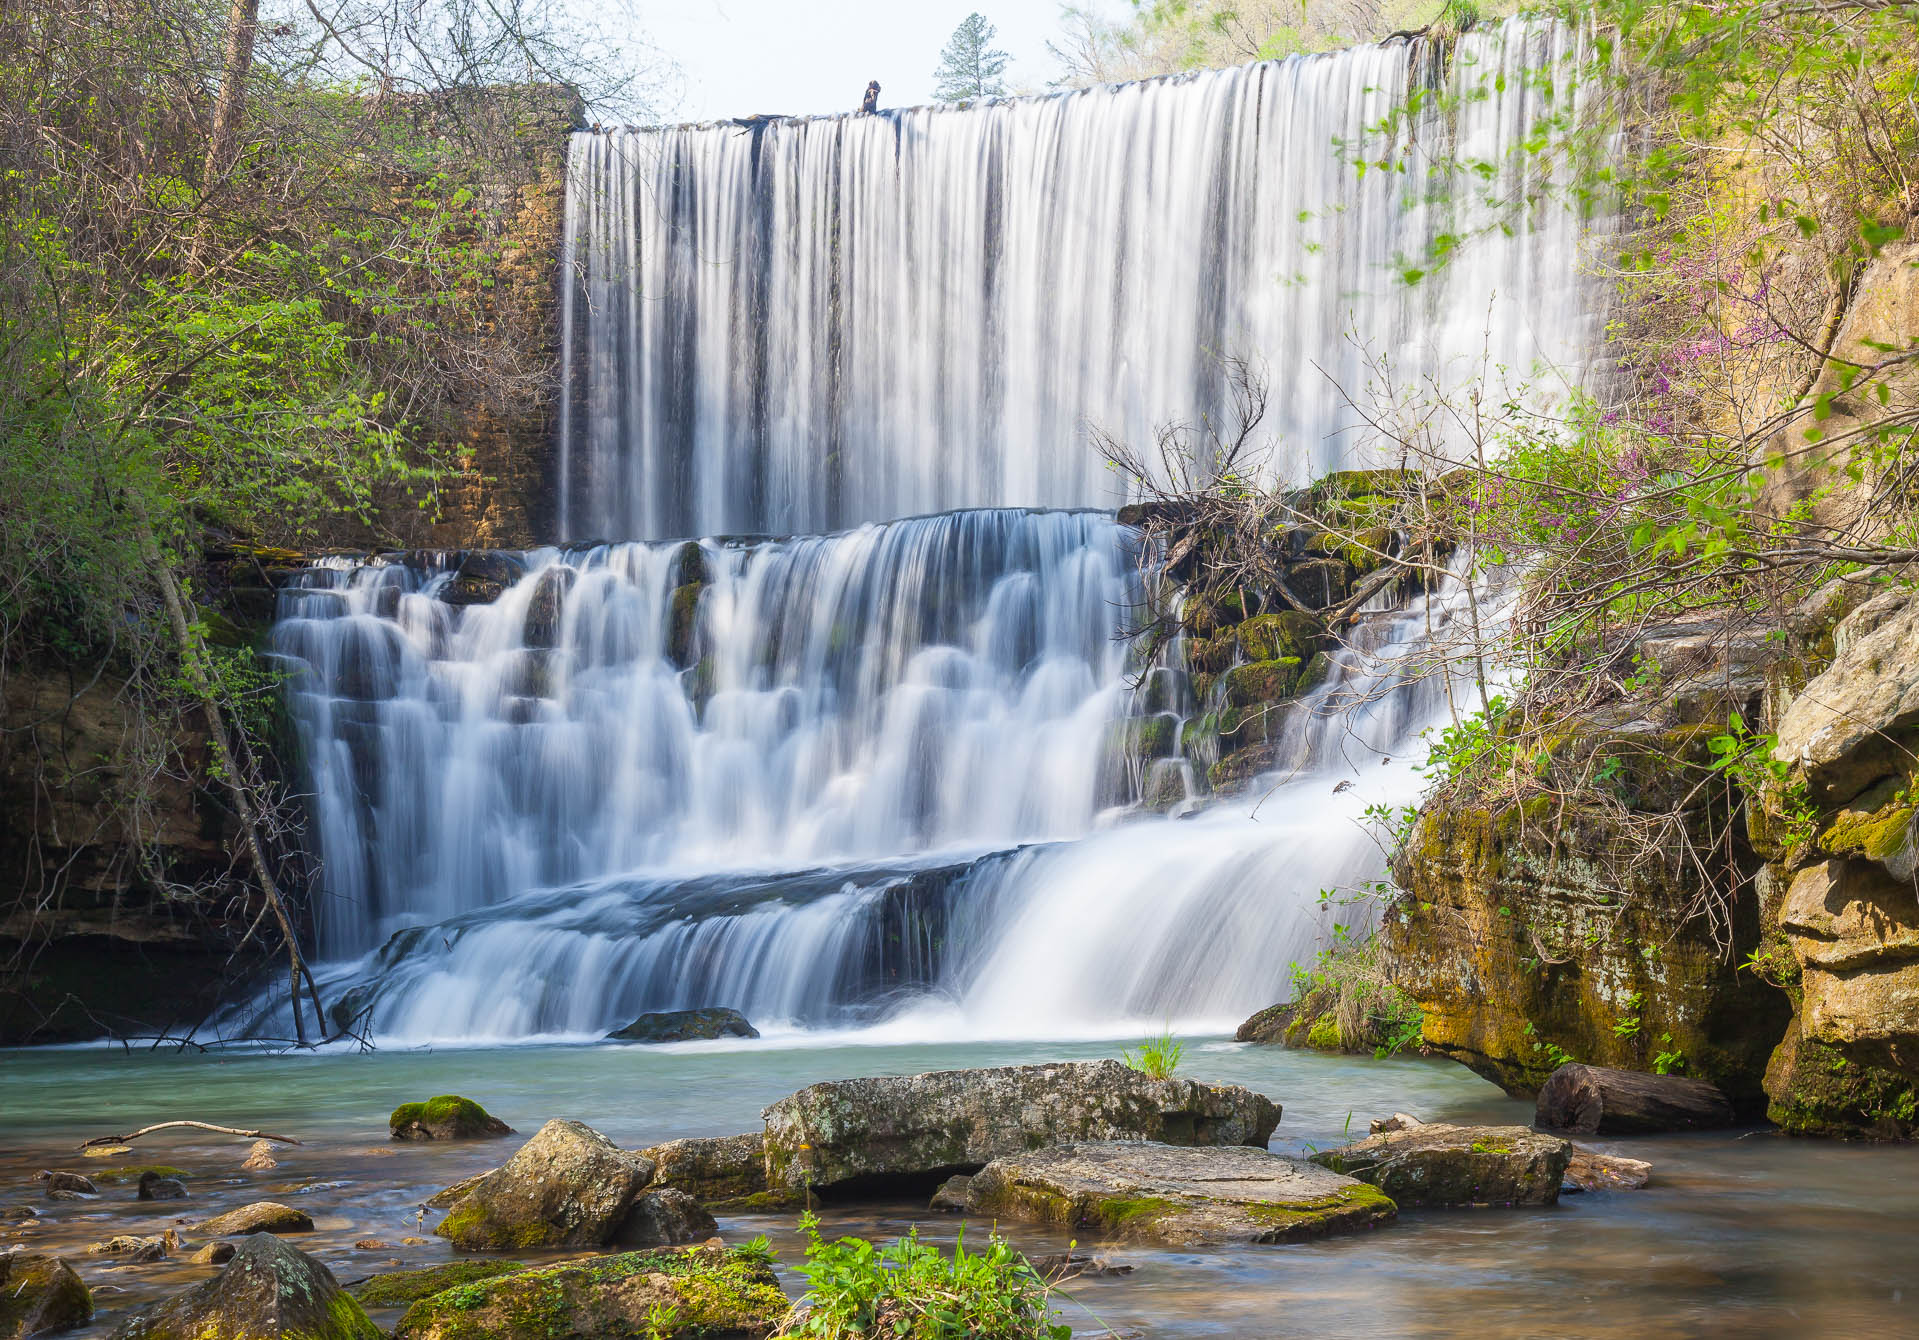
(1595, 1100)
(196, 1125)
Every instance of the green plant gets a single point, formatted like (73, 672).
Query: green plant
(1668, 1062)
(1551, 1052)
(1627, 1025)
(1157, 1057)
(911, 1290)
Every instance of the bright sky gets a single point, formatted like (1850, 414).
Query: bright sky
(794, 58)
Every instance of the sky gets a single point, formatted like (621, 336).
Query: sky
(792, 58)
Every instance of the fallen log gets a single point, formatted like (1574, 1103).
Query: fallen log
(1597, 1100)
(196, 1125)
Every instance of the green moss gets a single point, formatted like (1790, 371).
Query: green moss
(409, 1286)
(1324, 1033)
(1115, 1212)
(463, 1112)
(1322, 1209)
(1267, 637)
(1261, 683)
(756, 1201)
(1876, 836)
(470, 1228)
(115, 1176)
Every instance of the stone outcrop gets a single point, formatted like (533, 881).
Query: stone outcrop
(705, 1291)
(40, 1295)
(917, 1130)
(687, 1026)
(1436, 1165)
(267, 1291)
(1176, 1195)
(448, 1117)
(569, 1186)
(728, 1171)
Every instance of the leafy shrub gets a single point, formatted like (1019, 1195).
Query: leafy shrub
(913, 1291)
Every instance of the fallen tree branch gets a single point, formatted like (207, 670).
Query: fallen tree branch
(196, 1125)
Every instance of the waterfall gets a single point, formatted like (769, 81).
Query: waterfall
(858, 758)
(810, 324)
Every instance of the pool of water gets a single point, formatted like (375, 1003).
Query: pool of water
(1741, 1231)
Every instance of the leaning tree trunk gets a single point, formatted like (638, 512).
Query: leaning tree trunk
(1595, 1100)
(223, 143)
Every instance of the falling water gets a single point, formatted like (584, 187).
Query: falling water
(821, 322)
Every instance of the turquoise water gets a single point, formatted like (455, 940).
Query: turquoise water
(1741, 1232)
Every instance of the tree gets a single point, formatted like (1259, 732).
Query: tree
(970, 66)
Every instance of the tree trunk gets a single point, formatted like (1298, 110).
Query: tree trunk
(243, 24)
(1594, 1100)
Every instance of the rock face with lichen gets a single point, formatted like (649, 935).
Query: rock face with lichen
(569, 1186)
(1176, 1195)
(721, 1170)
(40, 1295)
(267, 1291)
(701, 1292)
(1435, 1165)
(447, 1117)
(921, 1129)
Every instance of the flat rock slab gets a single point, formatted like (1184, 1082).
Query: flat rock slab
(1177, 1195)
(1435, 1165)
(927, 1127)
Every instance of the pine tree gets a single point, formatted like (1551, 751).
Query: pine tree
(970, 66)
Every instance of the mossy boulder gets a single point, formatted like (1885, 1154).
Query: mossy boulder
(1268, 1027)
(1261, 683)
(715, 1171)
(1267, 637)
(135, 1173)
(447, 1117)
(700, 1292)
(397, 1288)
(1818, 1090)
(913, 1131)
(1179, 1196)
(39, 1295)
(268, 1291)
(569, 1186)
(263, 1216)
(1437, 1165)
(702, 1025)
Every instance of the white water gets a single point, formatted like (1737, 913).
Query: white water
(876, 787)
(847, 319)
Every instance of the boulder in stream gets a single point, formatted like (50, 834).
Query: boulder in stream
(687, 1026)
(69, 1181)
(1591, 1170)
(155, 1187)
(1177, 1195)
(270, 1290)
(447, 1117)
(39, 1295)
(1435, 1164)
(702, 1291)
(569, 1186)
(727, 1171)
(917, 1130)
(263, 1216)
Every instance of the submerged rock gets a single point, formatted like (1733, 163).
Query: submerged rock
(1178, 1195)
(569, 1186)
(155, 1187)
(40, 1295)
(267, 1291)
(921, 1129)
(67, 1181)
(264, 1216)
(447, 1117)
(260, 1157)
(135, 1248)
(723, 1170)
(687, 1026)
(1591, 1170)
(1434, 1165)
(696, 1292)
(397, 1288)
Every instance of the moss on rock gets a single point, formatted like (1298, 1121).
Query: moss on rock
(397, 1288)
(446, 1117)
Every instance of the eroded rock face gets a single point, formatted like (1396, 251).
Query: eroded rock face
(1177, 1195)
(267, 1291)
(725, 1170)
(265, 1216)
(1436, 1165)
(687, 1026)
(704, 1291)
(569, 1186)
(920, 1129)
(40, 1295)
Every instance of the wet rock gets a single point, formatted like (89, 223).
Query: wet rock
(397, 1288)
(699, 1291)
(569, 1186)
(727, 1170)
(61, 1193)
(263, 1216)
(213, 1254)
(269, 1290)
(40, 1295)
(1268, 1027)
(665, 1218)
(952, 1193)
(447, 1117)
(67, 1181)
(1177, 1195)
(856, 1134)
(1436, 1165)
(1059, 1267)
(482, 578)
(1399, 1121)
(19, 1212)
(687, 1026)
(139, 1172)
(137, 1249)
(155, 1187)
(1591, 1170)
(372, 1245)
(260, 1157)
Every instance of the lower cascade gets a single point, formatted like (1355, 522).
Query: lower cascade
(865, 780)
